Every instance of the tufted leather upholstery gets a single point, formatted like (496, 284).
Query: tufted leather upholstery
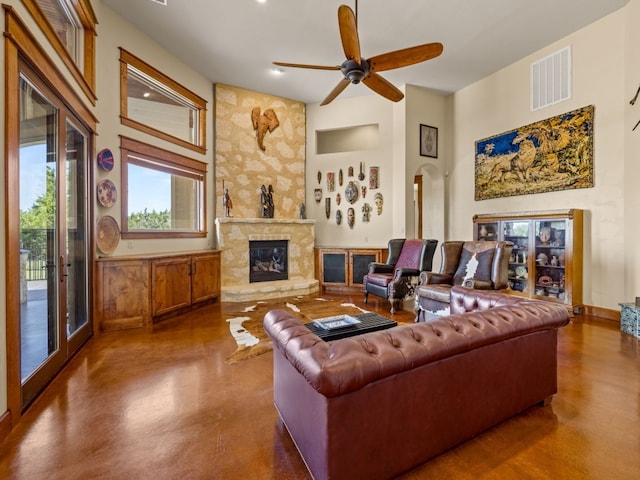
(405, 261)
(405, 394)
(479, 265)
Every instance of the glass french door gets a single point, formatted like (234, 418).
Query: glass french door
(54, 307)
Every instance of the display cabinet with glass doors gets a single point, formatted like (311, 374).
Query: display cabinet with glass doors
(546, 262)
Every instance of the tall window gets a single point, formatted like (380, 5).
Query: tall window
(69, 25)
(155, 104)
(163, 192)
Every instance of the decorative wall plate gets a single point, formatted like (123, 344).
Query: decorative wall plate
(521, 271)
(107, 193)
(351, 192)
(105, 160)
(108, 234)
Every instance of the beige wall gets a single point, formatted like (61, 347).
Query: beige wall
(631, 166)
(500, 103)
(115, 32)
(244, 167)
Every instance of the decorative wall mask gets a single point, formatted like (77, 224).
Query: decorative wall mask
(366, 212)
(339, 217)
(379, 201)
(373, 178)
(331, 182)
(338, 198)
(319, 177)
(340, 177)
(363, 189)
(263, 123)
(351, 192)
(361, 174)
(350, 172)
(327, 206)
(317, 195)
(351, 217)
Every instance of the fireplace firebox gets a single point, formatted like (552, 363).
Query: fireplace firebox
(268, 260)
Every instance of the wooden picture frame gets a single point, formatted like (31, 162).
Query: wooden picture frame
(428, 141)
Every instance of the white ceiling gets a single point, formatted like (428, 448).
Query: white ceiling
(235, 41)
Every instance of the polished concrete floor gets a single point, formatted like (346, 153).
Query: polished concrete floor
(163, 404)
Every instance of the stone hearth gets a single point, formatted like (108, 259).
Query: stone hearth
(234, 235)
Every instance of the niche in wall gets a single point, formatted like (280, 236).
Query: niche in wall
(350, 139)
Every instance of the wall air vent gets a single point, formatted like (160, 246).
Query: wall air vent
(551, 79)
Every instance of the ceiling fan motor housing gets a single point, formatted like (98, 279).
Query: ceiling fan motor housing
(355, 71)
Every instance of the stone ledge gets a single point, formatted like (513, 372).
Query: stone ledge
(268, 290)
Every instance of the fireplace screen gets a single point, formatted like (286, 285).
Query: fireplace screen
(268, 260)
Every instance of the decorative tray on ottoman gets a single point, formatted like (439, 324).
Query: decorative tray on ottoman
(339, 321)
(342, 326)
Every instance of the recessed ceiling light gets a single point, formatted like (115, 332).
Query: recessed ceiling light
(146, 94)
(161, 2)
(276, 70)
(261, 1)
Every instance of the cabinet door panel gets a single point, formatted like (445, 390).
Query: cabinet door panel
(334, 267)
(360, 265)
(170, 284)
(205, 277)
(122, 298)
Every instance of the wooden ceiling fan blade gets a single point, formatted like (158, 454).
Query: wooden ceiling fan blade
(349, 33)
(405, 57)
(302, 65)
(338, 89)
(383, 87)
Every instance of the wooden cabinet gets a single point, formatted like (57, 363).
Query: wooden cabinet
(134, 292)
(170, 284)
(205, 277)
(343, 268)
(546, 262)
(179, 282)
(121, 297)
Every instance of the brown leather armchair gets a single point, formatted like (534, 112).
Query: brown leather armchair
(480, 265)
(396, 279)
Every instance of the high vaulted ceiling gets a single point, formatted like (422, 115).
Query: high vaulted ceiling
(235, 41)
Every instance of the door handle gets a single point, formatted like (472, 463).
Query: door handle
(64, 269)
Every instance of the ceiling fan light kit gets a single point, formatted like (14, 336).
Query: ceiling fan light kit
(357, 69)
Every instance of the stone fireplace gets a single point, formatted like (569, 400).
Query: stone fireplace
(234, 238)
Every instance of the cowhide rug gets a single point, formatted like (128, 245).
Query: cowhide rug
(246, 327)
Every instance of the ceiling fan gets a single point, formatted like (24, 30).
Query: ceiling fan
(357, 69)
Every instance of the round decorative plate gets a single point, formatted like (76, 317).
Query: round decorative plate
(105, 160)
(521, 271)
(351, 192)
(108, 234)
(107, 193)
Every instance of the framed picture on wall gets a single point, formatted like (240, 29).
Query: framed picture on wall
(428, 141)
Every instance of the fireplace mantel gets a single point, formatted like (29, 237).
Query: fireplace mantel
(233, 236)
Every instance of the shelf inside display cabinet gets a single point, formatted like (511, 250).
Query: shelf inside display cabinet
(546, 262)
